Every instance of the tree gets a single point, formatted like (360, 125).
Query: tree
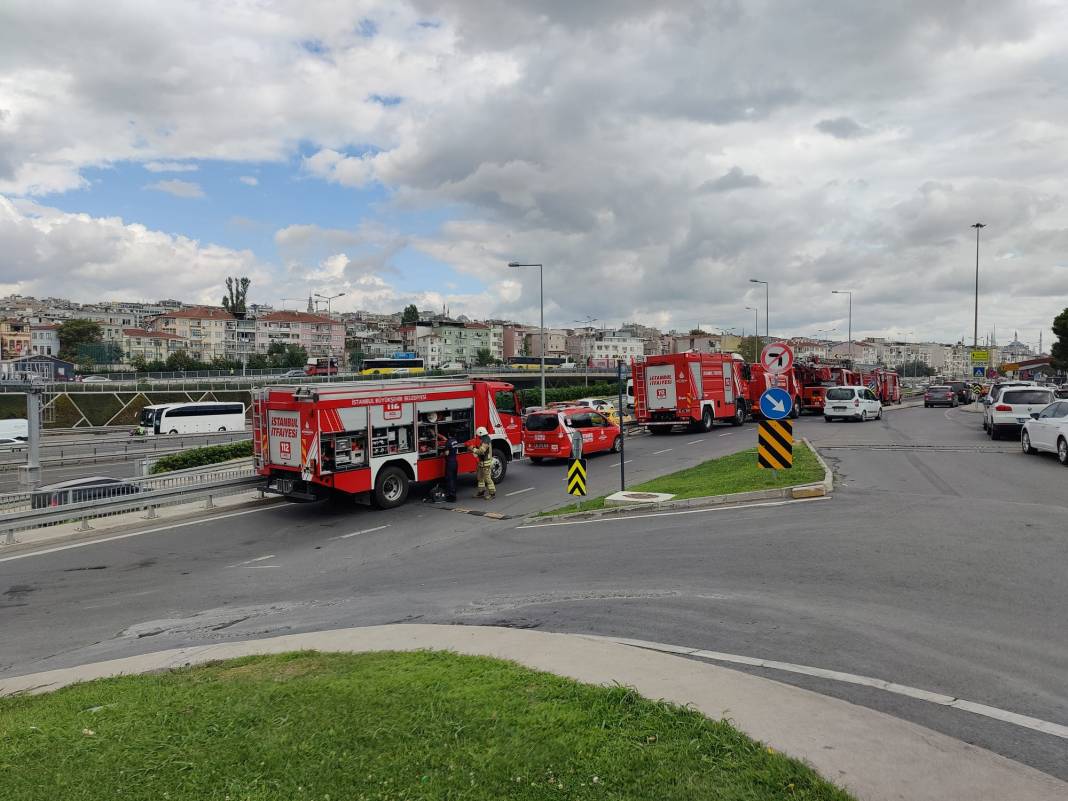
(180, 360)
(286, 355)
(750, 349)
(138, 363)
(483, 357)
(697, 332)
(410, 314)
(1059, 351)
(77, 332)
(236, 292)
(914, 369)
(354, 349)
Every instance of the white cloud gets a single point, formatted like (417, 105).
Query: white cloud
(170, 166)
(49, 252)
(249, 180)
(178, 188)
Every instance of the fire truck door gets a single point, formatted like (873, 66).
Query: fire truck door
(728, 384)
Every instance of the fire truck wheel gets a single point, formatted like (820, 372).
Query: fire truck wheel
(391, 487)
(707, 420)
(500, 465)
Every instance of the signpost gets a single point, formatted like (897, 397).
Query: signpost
(980, 357)
(775, 445)
(576, 477)
(777, 358)
(979, 372)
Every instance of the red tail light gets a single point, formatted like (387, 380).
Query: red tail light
(1002, 407)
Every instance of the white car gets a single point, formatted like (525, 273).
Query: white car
(995, 392)
(852, 403)
(12, 444)
(1047, 430)
(1014, 406)
(95, 379)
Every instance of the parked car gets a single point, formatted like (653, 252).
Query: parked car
(1062, 391)
(95, 379)
(80, 490)
(941, 395)
(1047, 430)
(852, 403)
(602, 405)
(12, 444)
(1014, 407)
(963, 390)
(294, 374)
(995, 392)
(547, 434)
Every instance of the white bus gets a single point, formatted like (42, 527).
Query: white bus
(146, 426)
(198, 418)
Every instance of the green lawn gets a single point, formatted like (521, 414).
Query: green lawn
(735, 473)
(376, 726)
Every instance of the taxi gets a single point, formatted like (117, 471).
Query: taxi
(605, 407)
(547, 434)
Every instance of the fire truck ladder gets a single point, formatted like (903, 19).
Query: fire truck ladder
(257, 423)
(641, 400)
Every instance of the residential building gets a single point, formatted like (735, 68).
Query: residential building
(151, 345)
(807, 350)
(44, 339)
(555, 342)
(452, 341)
(860, 351)
(652, 339)
(430, 348)
(514, 340)
(317, 334)
(204, 327)
(14, 339)
(610, 348)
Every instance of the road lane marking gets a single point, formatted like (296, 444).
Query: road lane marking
(726, 433)
(657, 453)
(617, 463)
(606, 519)
(694, 442)
(136, 533)
(519, 492)
(358, 533)
(250, 561)
(257, 567)
(1004, 715)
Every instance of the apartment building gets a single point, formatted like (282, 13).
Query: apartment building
(318, 334)
(205, 328)
(14, 339)
(44, 339)
(555, 342)
(151, 345)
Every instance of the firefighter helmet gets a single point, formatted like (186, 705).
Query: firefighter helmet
(481, 432)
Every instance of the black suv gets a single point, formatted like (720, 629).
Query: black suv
(963, 391)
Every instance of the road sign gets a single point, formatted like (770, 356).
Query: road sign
(576, 477)
(776, 404)
(777, 357)
(775, 445)
(980, 356)
(979, 372)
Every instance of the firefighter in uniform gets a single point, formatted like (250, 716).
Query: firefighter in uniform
(484, 453)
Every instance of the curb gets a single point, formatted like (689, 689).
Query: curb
(796, 492)
(876, 756)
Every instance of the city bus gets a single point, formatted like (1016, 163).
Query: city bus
(199, 418)
(534, 363)
(321, 365)
(407, 366)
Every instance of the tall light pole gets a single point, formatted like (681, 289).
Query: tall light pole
(329, 298)
(541, 291)
(586, 339)
(905, 358)
(756, 332)
(850, 293)
(975, 332)
(767, 305)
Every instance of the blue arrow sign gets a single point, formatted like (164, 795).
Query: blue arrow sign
(979, 372)
(776, 403)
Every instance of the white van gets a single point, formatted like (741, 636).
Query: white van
(852, 403)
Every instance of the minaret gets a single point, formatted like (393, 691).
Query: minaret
(311, 306)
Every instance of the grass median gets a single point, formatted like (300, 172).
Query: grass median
(727, 474)
(377, 726)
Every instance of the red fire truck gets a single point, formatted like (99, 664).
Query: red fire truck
(884, 383)
(761, 380)
(371, 439)
(693, 388)
(816, 378)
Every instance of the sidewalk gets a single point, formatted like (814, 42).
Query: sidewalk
(875, 756)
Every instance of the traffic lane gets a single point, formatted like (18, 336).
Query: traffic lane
(90, 446)
(928, 595)
(9, 481)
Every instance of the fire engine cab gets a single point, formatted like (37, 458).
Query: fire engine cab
(692, 388)
(371, 440)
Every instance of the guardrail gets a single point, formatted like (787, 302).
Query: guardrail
(87, 503)
(161, 447)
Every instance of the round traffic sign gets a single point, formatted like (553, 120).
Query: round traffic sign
(776, 404)
(778, 357)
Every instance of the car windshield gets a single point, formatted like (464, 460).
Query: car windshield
(839, 394)
(541, 422)
(1027, 396)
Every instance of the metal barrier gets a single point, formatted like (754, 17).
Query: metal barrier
(88, 503)
(160, 446)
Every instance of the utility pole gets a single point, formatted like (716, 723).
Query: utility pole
(975, 331)
(30, 473)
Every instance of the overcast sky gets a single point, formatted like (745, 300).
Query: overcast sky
(654, 155)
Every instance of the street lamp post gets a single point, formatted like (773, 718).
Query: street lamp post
(541, 291)
(329, 298)
(767, 306)
(850, 293)
(756, 332)
(975, 332)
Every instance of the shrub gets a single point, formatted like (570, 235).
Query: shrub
(606, 389)
(199, 457)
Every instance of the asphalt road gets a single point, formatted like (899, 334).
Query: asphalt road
(939, 564)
